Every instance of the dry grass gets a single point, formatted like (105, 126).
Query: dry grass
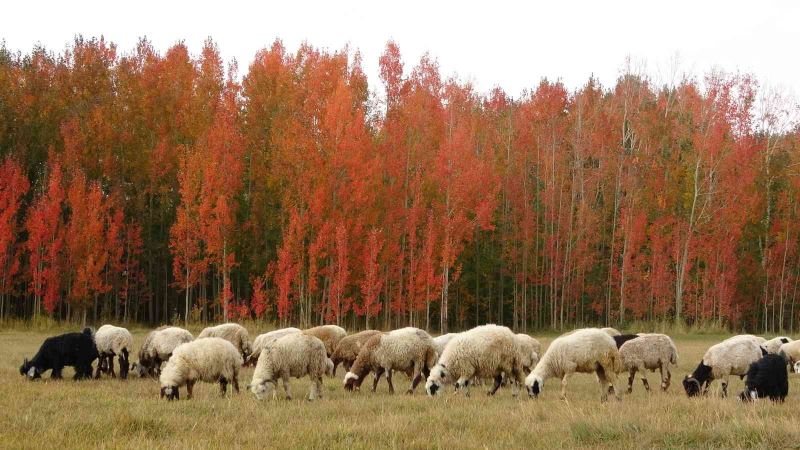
(115, 414)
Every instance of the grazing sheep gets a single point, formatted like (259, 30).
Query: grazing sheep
(767, 377)
(611, 331)
(210, 359)
(330, 335)
(791, 353)
(69, 349)
(113, 341)
(732, 356)
(347, 350)
(529, 351)
(408, 350)
(157, 348)
(648, 352)
(584, 351)
(233, 333)
(774, 345)
(293, 355)
(441, 341)
(263, 339)
(487, 351)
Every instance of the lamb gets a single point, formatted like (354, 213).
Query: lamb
(233, 333)
(158, 347)
(791, 353)
(113, 341)
(330, 335)
(774, 345)
(732, 356)
(529, 350)
(262, 340)
(209, 359)
(767, 377)
(584, 351)
(408, 350)
(347, 350)
(69, 349)
(293, 355)
(649, 352)
(487, 351)
(611, 331)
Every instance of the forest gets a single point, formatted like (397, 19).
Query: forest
(157, 187)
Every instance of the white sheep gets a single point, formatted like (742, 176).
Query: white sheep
(158, 347)
(347, 350)
(774, 345)
(293, 355)
(791, 353)
(330, 335)
(649, 351)
(732, 356)
(233, 333)
(209, 359)
(487, 351)
(409, 350)
(113, 341)
(441, 341)
(529, 351)
(263, 339)
(588, 350)
(611, 331)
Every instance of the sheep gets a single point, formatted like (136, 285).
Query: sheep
(651, 352)
(529, 351)
(623, 338)
(441, 341)
(408, 350)
(767, 377)
(791, 353)
(774, 345)
(69, 349)
(263, 339)
(158, 347)
(233, 333)
(113, 341)
(611, 331)
(584, 351)
(487, 351)
(732, 356)
(208, 359)
(330, 335)
(347, 350)
(292, 355)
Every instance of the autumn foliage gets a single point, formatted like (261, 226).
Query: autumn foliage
(166, 187)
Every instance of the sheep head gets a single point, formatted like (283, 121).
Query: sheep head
(691, 386)
(170, 392)
(534, 385)
(352, 382)
(261, 390)
(796, 367)
(29, 370)
(436, 380)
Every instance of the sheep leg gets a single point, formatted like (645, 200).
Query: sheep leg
(110, 362)
(316, 387)
(223, 386)
(100, 361)
(378, 375)
(235, 381)
(414, 383)
(665, 380)
(564, 381)
(498, 380)
(189, 389)
(631, 377)
(286, 390)
(389, 380)
(724, 387)
(645, 382)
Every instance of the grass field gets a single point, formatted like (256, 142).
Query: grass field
(114, 414)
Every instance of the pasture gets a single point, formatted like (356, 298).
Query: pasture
(110, 413)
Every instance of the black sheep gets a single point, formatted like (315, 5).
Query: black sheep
(70, 349)
(623, 338)
(767, 377)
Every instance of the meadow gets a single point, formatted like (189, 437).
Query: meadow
(110, 413)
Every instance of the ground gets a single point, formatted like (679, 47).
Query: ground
(110, 413)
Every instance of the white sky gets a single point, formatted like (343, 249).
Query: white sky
(490, 43)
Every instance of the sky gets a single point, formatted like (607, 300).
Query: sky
(490, 43)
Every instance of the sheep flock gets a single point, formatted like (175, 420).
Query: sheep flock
(488, 353)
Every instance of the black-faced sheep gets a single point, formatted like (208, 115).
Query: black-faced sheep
(330, 335)
(732, 356)
(487, 351)
(210, 359)
(409, 350)
(347, 350)
(648, 352)
(293, 355)
(233, 333)
(113, 341)
(588, 350)
(157, 348)
(767, 378)
(70, 349)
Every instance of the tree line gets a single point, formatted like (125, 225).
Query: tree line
(162, 187)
